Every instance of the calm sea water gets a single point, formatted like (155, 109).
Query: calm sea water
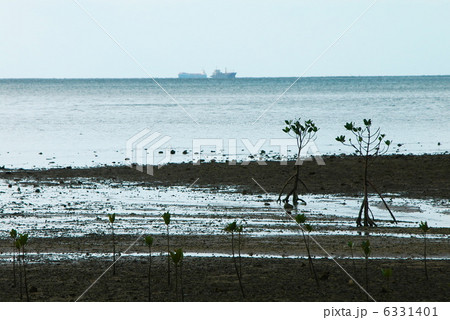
(87, 122)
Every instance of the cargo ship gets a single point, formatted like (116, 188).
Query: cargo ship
(186, 75)
(217, 74)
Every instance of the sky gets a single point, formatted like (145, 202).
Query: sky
(255, 38)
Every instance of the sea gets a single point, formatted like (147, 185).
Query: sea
(88, 122)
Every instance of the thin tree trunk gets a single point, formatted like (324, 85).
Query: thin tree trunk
(353, 260)
(311, 265)
(181, 281)
(20, 276)
(176, 282)
(25, 275)
(235, 265)
(367, 221)
(425, 255)
(114, 250)
(168, 257)
(295, 189)
(367, 278)
(366, 198)
(149, 274)
(14, 269)
(358, 220)
(239, 254)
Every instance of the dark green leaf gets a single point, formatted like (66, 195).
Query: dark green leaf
(166, 217)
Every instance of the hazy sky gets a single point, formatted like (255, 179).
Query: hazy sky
(56, 39)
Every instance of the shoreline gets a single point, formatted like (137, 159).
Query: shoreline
(418, 176)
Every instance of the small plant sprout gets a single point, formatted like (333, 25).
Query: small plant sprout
(365, 245)
(387, 273)
(166, 218)
(177, 258)
(301, 219)
(367, 143)
(304, 133)
(351, 245)
(149, 242)
(112, 218)
(13, 235)
(232, 228)
(423, 225)
(21, 242)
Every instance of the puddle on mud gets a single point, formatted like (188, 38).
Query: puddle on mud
(33, 257)
(75, 210)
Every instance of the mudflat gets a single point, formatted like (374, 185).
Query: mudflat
(274, 267)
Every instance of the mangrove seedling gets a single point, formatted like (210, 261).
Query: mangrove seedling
(351, 245)
(232, 228)
(21, 242)
(13, 235)
(149, 242)
(112, 218)
(387, 273)
(365, 245)
(304, 133)
(424, 227)
(368, 144)
(166, 218)
(301, 219)
(177, 258)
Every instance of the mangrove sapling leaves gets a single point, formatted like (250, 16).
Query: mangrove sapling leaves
(23, 238)
(368, 143)
(351, 245)
(300, 218)
(423, 225)
(166, 217)
(13, 233)
(148, 241)
(387, 273)
(177, 257)
(17, 243)
(308, 227)
(231, 227)
(365, 245)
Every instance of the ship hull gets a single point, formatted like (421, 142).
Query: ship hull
(184, 75)
(228, 75)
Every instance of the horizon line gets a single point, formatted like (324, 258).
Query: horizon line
(248, 77)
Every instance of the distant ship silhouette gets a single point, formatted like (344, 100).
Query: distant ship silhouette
(217, 74)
